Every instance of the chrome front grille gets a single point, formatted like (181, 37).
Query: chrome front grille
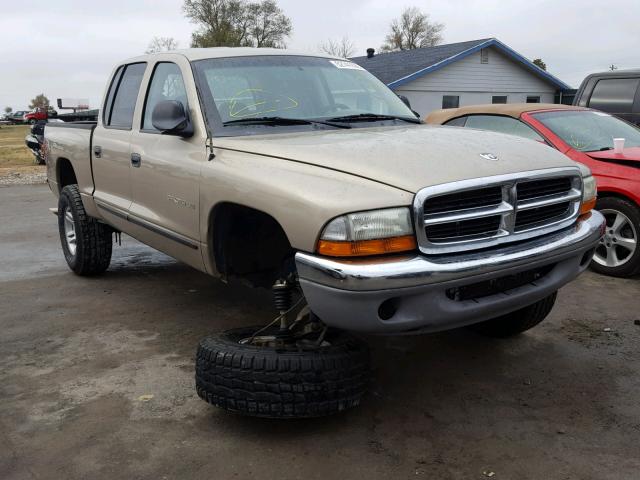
(485, 212)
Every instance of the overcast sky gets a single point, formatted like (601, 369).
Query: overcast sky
(67, 48)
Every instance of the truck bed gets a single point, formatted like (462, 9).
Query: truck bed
(70, 142)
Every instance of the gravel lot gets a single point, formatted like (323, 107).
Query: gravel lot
(96, 381)
(23, 175)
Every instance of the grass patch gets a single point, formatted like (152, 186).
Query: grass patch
(13, 151)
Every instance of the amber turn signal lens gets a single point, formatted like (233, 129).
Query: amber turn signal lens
(367, 247)
(587, 206)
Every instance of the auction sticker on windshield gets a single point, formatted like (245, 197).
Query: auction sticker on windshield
(343, 64)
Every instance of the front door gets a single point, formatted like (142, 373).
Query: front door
(166, 175)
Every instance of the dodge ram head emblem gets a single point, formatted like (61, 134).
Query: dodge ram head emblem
(489, 156)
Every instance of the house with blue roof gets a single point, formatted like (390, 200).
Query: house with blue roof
(459, 74)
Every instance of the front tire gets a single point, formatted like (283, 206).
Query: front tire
(516, 322)
(86, 242)
(263, 381)
(618, 254)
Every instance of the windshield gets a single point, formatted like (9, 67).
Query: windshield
(238, 90)
(588, 130)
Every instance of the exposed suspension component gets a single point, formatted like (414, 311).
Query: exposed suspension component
(282, 295)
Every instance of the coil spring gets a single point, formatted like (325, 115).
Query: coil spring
(282, 295)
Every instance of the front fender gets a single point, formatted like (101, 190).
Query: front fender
(302, 198)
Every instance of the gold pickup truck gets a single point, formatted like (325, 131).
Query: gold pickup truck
(304, 174)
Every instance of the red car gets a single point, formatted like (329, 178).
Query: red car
(39, 113)
(586, 136)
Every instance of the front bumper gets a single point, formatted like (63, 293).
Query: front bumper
(416, 289)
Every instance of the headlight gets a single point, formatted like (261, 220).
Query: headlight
(589, 194)
(368, 233)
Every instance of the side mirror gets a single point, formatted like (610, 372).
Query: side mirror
(171, 118)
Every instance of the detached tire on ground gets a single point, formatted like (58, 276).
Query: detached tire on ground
(86, 242)
(265, 382)
(516, 322)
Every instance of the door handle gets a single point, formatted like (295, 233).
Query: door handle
(136, 159)
(97, 151)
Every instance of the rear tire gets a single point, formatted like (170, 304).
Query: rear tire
(261, 381)
(86, 242)
(516, 322)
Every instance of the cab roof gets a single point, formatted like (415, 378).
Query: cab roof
(509, 109)
(193, 54)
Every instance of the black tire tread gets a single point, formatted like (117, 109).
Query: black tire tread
(93, 238)
(263, 382)
(517, 322)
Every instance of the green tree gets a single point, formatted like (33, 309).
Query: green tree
(237, 23)
(39, 101)
(540, 63)
(412, 29)
(8, 110)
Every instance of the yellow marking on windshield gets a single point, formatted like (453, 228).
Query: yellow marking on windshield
(243, 109)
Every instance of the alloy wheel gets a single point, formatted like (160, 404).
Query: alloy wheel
(70, 231)
(619, 242)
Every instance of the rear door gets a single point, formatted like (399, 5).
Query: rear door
(111, 151)
(166, 175)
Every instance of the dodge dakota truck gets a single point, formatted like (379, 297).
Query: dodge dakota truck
(306, 175)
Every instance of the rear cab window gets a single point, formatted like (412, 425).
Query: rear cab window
(500, 124)
(123, 94)
(614, 95)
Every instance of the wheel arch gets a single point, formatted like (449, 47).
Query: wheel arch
(65, 174)
(249, 243)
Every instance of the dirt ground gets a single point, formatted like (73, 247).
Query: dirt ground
(96, 381)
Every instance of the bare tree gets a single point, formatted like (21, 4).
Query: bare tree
(338, 48)
(413, 30)
(161, 44)
(237, 23)
(538, 62)
(40, 101)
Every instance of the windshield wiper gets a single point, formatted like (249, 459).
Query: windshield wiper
(372, 117)
(602, 149)
(282, 121)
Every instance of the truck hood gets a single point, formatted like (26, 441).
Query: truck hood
(407, 157)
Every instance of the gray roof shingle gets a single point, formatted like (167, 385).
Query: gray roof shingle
(389, 67)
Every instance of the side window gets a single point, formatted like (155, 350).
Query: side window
(124, 103)
(499, 99)
(450, 101)
(533, 99)
(502, 124)
(106, 111)
(457, 122)
(166, 84)
(614, 95)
